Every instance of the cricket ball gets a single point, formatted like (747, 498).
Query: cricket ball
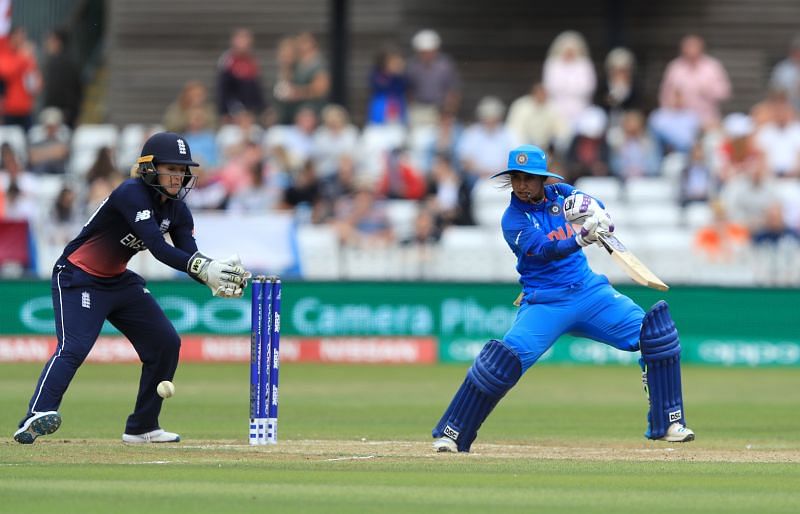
(165, 389)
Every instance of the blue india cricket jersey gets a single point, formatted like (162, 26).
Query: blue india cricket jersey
(531, 229)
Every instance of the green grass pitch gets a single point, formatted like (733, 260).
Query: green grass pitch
(356, 439)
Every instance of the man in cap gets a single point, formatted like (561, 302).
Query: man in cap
(434, 85)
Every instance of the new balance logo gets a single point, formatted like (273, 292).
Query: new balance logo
(86, 300)
(449, 432)
(181, 147)
(142, 215)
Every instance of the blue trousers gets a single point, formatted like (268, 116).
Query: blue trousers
(590, 309)
(82, 303)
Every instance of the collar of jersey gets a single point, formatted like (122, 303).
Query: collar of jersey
(525, 206)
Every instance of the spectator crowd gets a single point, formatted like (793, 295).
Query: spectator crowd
(282, 145)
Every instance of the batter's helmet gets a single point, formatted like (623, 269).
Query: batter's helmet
(165, 148)
(528, 159)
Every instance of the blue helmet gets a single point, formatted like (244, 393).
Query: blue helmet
(528, 159)
(165, 148)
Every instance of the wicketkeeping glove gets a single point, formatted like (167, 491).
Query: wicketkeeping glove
(225, 278)
(236, 262)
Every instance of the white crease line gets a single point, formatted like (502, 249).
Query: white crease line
(351, 458)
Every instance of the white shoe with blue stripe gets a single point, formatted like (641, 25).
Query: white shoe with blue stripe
(154, 436)
(445, 445)
(677, 433)
(40, 423)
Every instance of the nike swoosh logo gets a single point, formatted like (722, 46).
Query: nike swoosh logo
(516, 241)
(617, 295)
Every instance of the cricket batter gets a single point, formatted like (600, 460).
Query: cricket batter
(91, 284)
(561, 294)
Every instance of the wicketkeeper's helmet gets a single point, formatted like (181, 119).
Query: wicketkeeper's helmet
(165, 148)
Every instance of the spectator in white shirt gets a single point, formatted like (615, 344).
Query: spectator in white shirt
(534, 120)
(786, 74)
(780, 142)
(299, 138)
(335, 138)
(484, 146)
(674, 126)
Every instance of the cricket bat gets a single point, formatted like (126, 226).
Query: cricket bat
(630, 264)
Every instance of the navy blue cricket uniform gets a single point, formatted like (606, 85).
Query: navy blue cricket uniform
(91, 283)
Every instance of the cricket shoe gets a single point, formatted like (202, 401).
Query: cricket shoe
(445, 445)
(677, 433)
(154, 436)
(41, 423)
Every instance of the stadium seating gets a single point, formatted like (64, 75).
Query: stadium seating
(16, 252)
(489, 201)
(86, 142)
(420, 142)
(131, 139)
(645, 212)
(37, 134)
(318, 248)
(697, 215)
(465, 253)
(606, 189)
(402, 215)
(375, 142)
(15, 136)
(651, 189)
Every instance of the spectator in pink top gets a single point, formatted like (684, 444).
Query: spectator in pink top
(701, 78)
(569, 76)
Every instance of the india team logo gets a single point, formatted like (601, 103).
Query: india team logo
(181, 147)
(522, 158)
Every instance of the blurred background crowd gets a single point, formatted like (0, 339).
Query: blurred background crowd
(686, 179)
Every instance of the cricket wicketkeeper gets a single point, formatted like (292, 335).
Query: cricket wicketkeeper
(91, 284)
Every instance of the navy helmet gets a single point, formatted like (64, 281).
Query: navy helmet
(528, 159)
(165, 148)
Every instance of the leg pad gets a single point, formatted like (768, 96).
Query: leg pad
(661, 354)
(495, 370)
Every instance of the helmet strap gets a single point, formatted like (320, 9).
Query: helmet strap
(149, 175)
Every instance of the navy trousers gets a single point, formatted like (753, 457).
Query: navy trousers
(82, 303)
